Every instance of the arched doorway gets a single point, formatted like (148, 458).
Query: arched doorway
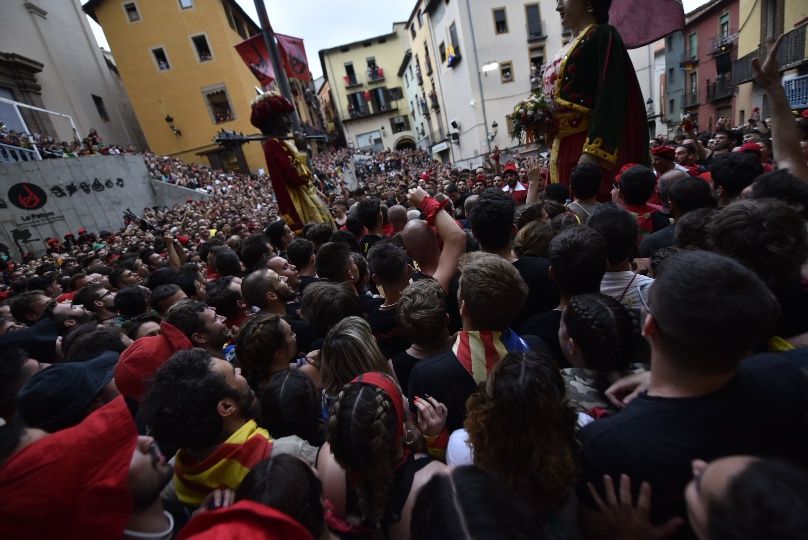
(405, 143)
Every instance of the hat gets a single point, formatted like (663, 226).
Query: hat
(69, 235)
(57, 397)
(140, 360)
(74, 483)
(665, 152)
(510, 167)
(52, 241)
(751, 148)
(268, 105)
(424, 176)
(245, 519)
(82, 230)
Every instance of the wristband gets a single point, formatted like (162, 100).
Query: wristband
(430, 208)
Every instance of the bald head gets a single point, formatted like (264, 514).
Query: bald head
(667, 180)
(420, 240)
(397, 216)
(413, 214)
(469, 203)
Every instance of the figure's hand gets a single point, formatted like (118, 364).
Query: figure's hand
(416, 195)
(767, 74)
(431, 415)
(628, 521)
(300, 140)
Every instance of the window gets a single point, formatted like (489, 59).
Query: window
(723, 26)
(186, 4)
(500, 21)
(741, 117)
(131, 11)
(533, 16)
(412, 31)
(672, 106)
(202, 49)
(218, 103)
(453, 38)
(506, 72)
(420, 18)
(350, 74)
(357, 106)
(102, 109)
(229, 15)
(669, 43)
(371, 60)
(536, 66)
(380, 100)
(694, 87)
(160, 59)
(693, 49)
(442, 52)
(399, 124)
(396, 93)
(670, 75)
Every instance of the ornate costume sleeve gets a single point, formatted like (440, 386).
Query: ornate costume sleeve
(608, 113)
(281, 162)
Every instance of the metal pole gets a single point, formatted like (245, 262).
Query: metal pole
(479, 79)
(26, 106)
(275, 58)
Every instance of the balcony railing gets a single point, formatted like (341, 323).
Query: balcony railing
(375, 74)
(536, 34)
(351, 81)
(366, 110)
(15, 154)
(791, 54)
(720, 89)
(428, 66)
(424, 107)
(722, 44)
(797, 92)
(688, 58)
(691, 100)
(433, 101)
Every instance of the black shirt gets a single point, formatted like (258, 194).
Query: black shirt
(367, 242)
(389, 338)
(542, 291)
(761, 411)
(444, 378)
(545, 326)
(305, 281)
(661, 239)
(402, 365)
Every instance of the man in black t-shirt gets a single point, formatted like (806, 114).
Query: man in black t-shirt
(389, 269)
(370, 214)
(701, 316)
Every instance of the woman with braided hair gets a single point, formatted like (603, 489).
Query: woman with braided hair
(599, 337)
(265, 345)
(367, 471)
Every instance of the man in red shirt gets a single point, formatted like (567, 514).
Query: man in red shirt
(513, 187)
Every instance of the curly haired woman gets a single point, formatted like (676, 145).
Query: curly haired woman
(265, 345)
(367, 471)
(522, 430)
(599, 338)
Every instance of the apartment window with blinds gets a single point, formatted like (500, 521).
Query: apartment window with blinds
(132, 13)
(500, 21)
(533, 16)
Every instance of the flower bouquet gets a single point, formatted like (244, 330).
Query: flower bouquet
(530, 116)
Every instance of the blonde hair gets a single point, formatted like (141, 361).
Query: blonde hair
(349, 349)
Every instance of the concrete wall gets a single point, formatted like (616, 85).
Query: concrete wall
(171, 195)
(41, 199)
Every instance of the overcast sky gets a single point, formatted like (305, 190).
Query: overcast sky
(327, 23)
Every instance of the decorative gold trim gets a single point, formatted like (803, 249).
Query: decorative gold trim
(562, 69)
(595, 148)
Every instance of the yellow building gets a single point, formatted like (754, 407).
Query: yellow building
(367, 90)
(184, 77)
(761, 22)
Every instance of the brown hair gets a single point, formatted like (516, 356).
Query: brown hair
(492, 290)
(533, 239)
(259, 338)
(522, 412)
(348, 350)
(421, 312)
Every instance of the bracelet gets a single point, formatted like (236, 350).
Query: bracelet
(155, 536)
(430, 208)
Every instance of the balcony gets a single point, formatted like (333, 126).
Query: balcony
(367, 111)
(424, 108)
(723, 44)
(351, 81)
(691, 100)
(428, 66)
(720, 89)
(790, 55)
(418, 75)
(375, 74)
(433, 101)
(797, 92)
(689, 59)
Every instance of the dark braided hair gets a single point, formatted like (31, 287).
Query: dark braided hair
(361, 432)
(603, 329)
(258, 340)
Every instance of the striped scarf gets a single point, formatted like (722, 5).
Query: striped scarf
(480, 350)
(226, 467)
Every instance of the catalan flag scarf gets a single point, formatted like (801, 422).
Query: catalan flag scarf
(480, 350)
(226, 467)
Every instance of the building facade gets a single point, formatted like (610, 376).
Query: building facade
(710, 48)
(50, 59)
(186, 80)
(649, 65)
(674, 82)
(368, 93)
(764, 20)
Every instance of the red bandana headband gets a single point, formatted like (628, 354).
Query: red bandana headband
(389, 387)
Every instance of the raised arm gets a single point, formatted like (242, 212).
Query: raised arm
(785, 133)
(454, 239)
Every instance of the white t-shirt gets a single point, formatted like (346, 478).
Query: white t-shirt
(619, 285)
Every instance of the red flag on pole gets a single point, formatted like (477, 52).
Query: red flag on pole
(641, 22)
(254, 53)
(293, 55)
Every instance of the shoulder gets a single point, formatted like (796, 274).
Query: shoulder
(438, 362)
(605, 32)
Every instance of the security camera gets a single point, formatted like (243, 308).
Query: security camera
(455, 124)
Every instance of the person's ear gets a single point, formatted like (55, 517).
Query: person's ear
(227, 407)
(551, 273)
(409, 272)
(649, 327)
(98, 304)
(70, 323)
(199, 338)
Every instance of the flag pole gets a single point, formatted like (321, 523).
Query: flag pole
(275, 58)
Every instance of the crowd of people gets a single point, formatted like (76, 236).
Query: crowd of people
(469, 354)
(50, 148)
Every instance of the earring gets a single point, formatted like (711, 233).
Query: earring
(589, 8)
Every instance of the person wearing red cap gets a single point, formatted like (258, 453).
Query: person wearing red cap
(663, 159)
(513, 186)
(245, 519)
(297, 198)
(755, 149)
(98, 479)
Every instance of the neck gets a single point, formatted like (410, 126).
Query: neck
(425, 351)
(668, 381)
(577, 28)
(506, 253)
(562, 302)
(591, 200)
(276, 308)
(307, 271)
(620, 267)
(429, 265)
(392, 292)
(376, 230)
(215, 353)
(150, 520)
